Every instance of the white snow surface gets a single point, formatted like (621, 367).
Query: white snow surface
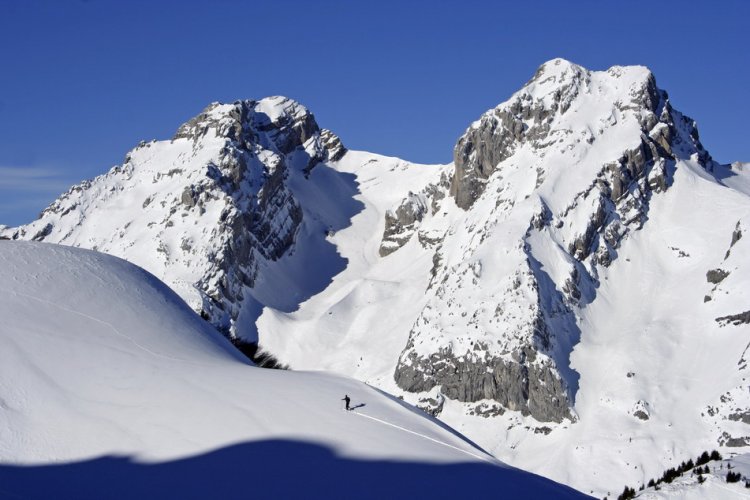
(110, 386)
(644, 338)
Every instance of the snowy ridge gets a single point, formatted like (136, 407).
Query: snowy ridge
(100, 359)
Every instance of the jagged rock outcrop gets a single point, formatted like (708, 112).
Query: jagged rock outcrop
(402, 222)
(216, 203)
(532, 389)
(332, 143)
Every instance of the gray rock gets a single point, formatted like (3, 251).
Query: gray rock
(187, 198)
(740, 416)
(640, 414)
(43, 233)
(433, 406)
(733, 442)
(533, 388)
(716, 276)
(487, 410)
(332, 143)
(742, 318)
(736, 236)
(400, 224)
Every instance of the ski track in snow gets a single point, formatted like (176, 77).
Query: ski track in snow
(486, 459)
(92, 318)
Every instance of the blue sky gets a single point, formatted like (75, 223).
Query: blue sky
(82, 82)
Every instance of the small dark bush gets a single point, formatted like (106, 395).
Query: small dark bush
(259, 357)
(733, 477)
(715, 455)
(627, 493)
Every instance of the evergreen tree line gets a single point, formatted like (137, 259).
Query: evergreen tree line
(699, 467)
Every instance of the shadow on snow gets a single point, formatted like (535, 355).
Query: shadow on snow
(328, 200)
(273, 468)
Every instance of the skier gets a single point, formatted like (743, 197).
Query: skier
(346, 401)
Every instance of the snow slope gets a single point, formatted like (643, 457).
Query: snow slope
(571, 292)
(111, 387)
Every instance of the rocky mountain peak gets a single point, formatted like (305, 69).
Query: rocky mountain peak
(556, 71)
(562, 102)
(565, 170)
(275, 122)
(214, 202)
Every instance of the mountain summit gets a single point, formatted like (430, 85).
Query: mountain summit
(205, 211)
(554, 179)
(570, 292)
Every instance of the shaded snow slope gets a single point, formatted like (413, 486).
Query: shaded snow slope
(110, 386)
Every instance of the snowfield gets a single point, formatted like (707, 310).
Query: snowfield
(112, 387)
(571, 293)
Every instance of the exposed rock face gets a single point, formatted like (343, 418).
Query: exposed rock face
(532, 389)
(432, 405)
(500, 132)
(729, 441)
(736, 236)
(401, 223)
(716, 276)
(404, 221)
(333, 145)
(508, 338)
(216, 203)
(641, 411)
(742, 318)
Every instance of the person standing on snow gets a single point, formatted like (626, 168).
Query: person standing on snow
(346, 401)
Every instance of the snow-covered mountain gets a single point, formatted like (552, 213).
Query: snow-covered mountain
(570, 292)
(210, 210)
(111, 387)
